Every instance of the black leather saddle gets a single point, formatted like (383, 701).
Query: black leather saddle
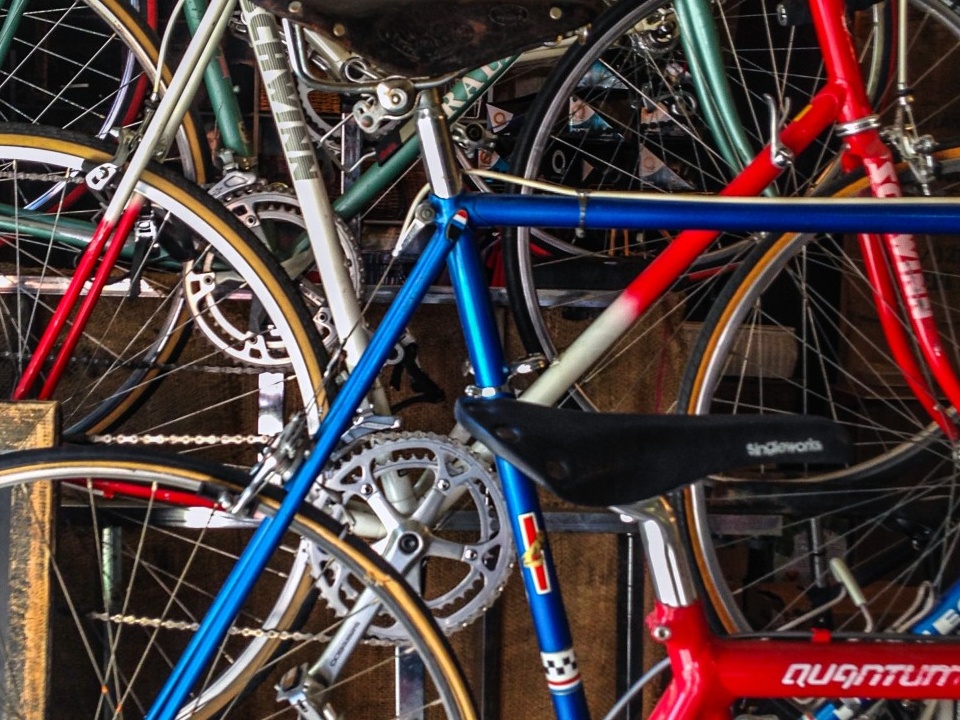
(609, 459)
(426, 38)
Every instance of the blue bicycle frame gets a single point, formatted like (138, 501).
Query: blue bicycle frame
(452, 246)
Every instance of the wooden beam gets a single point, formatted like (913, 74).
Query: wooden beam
(29, 545)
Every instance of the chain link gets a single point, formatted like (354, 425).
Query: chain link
(180, 439)
(143, 365)
(185, 626)
(77, 179)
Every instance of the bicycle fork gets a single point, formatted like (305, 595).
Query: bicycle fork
(887, 255)
(124, 208)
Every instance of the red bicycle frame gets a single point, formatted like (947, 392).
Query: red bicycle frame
(891, 260)
(710, 672)
(110, 235)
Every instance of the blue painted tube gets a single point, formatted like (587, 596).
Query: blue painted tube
(927, 215)
(523, 504)
(944, 618)
(265, 540)
(472, 295)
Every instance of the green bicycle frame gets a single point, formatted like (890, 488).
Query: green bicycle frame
(701, 46)
(223, 97)
(10, 25)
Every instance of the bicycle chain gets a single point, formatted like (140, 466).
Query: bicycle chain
(142, 365)
(143, 621)
(211, 440)
(52, 177)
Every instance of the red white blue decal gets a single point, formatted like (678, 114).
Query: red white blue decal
(533, 559)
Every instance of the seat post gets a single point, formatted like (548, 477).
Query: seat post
(667, 564)
(436, 145)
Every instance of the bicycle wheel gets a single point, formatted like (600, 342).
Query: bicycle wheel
(796, 332)
(188, 264)
(625, 111)
(85, 67)
(130, 573)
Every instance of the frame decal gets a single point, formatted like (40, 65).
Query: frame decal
(561, 670)
(533, 558)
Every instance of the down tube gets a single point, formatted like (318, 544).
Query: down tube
(539, 577)
(266, 538)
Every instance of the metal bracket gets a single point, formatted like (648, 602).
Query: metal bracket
(102, 174)
(282, 456)
(870, 122)
(780, 155)
(232, 181)
(145, 240)
(472, 136)
(915, 149)
(528, 364)
(367, 424)
(475, 391)
(297, 688)
(423, 217)
(394, 99)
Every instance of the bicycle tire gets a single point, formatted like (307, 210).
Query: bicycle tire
(87, 67)
(581, 272)
(207, 273)
(172, 549)
(793, 333)
(631, 111)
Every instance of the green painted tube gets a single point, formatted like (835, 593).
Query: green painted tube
(378, 177)
(233, 131)
(10, 25)
(701, 45)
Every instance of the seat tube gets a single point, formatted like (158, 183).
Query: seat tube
(523, 505)
(485, 351)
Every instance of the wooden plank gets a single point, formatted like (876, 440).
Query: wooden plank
(32, 424)
(30, 543)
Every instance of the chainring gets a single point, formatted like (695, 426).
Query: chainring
(442, 493)
(221, 310)
(272, 213)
